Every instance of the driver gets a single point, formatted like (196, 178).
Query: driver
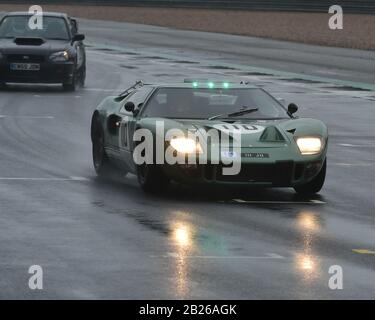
(179, 102)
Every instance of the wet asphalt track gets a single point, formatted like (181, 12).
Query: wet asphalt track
(109, 240)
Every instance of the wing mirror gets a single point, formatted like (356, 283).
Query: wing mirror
(78, 37)
(113, 124)
(292, 108)
(129, 106)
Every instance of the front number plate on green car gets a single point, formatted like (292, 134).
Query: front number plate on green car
(25, 66)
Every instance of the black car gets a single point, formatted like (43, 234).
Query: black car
(52, 54)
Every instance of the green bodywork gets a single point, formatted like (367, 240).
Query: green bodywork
(274, 138)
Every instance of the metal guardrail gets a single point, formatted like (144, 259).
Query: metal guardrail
(349, 6)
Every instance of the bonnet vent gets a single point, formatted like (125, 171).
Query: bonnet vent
(29, 41)
(272, 134)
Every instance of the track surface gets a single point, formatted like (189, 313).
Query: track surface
(108, 240)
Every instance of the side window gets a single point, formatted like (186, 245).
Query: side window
(74, 26)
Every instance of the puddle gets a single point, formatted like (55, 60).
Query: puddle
(253, 74)
(220, 68)
(168, 75)
(104, 49)
(127, 67)
(153, 58)
(185, 62)
(346, 88)
(131, 53)
(301, 80)
(141, 218)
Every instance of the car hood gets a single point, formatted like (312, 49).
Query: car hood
(9, 46)
(251, 133)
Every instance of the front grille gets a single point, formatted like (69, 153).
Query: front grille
(278, 174)
(25, 58)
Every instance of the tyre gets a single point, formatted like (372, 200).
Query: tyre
(102, 165)
(71, 86)
(82, 76)
(315, 185)
(151, 178)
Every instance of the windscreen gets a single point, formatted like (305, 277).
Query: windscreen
(18, 26)
(192, 103)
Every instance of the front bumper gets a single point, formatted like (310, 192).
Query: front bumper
(48, 73)
(277, 174)
(281, 166)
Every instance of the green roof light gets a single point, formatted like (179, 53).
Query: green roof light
(226, 85)
(211, 85)
(195, 84)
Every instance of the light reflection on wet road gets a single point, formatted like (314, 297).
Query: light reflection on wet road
(307, 262)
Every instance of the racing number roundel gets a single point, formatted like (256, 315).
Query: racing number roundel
(240, 128)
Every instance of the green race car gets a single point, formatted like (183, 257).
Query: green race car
(207, 132)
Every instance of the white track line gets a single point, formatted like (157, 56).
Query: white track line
(100, 90)
(27, 117)
(355, 145)
(342, 164)
(277, 202)
(43, 179)
(177, 255)
(57, 96)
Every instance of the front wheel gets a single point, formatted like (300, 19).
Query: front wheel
(101, 162)
(82, 76)
(71, 86)
(315, 185)
(151, 178)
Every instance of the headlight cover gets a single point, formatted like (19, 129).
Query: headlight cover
(186, 145)
(310, 145)
(60, 56)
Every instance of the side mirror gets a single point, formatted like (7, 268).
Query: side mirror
(129, 106)
(78, 37)
(113, 123)
(292, 108)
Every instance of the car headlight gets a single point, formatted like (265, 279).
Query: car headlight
(60, 56)
(186, 145)
(309, 145)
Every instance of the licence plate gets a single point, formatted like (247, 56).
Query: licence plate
(25, 66)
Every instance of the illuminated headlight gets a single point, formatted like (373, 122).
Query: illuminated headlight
(60, 56)
(186, 145)
(309, 145)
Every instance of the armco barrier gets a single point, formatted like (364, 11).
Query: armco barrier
(349, 6)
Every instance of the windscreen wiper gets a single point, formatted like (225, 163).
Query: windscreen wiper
(244, 110)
